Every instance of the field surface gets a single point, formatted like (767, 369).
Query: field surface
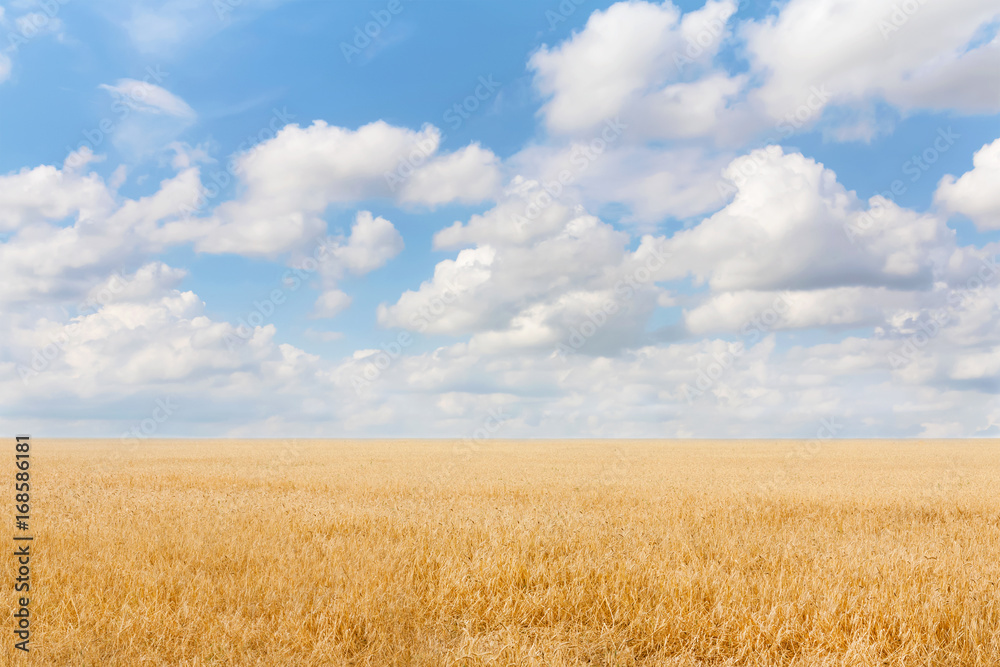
(410, 552)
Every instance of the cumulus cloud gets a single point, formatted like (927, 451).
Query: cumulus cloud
(975, 193)
(470, 174)
(727, 292)
(527, 277)
(839, 307)
(290, 181)
(529, 280)
(920, 55)
(145, 338)
(792, 225)
(646, 181)
(629, 61)
(51, 193)
(704, 388)
(70, 227)
(654, 67)
(371, 244)
(331, 303)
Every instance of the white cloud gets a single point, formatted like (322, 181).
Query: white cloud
(699, 388)
(323, 336)
(629, 61)
(689, 109)
(144, 119)
(862, 50)
(69, 228)
(653, 67)
(149, 98)
(24, 28)
(331, 303)
(33, 24)
(976, 193)
(164, 27)
(646, 180)
(50, 193)
(590, 76)
(536, 272)
(426, 308)
(791, 225)
(156, 30)
(371, 244)
(144, 338)
(471, 174)
(290, 181)
(528, 283)
(833, 307)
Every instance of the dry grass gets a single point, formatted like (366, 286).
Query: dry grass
(542, 553)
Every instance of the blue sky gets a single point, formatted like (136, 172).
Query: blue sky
(165, 166)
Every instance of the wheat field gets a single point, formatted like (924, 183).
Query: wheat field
(414, 552)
